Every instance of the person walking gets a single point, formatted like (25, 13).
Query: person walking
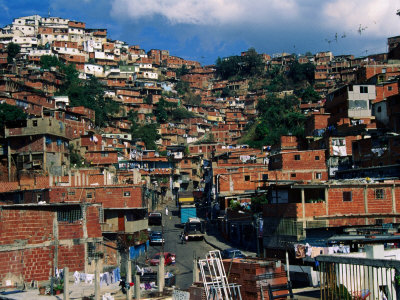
(182, 238)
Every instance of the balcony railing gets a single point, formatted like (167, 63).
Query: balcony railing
(358, 278)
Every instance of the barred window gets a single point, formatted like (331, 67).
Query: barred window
(101, 214)
(69, 215)
(89, 195)
(379, 194)
(127, 194)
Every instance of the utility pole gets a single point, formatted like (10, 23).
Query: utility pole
(66, 284)
(128, 278)
(96, 279)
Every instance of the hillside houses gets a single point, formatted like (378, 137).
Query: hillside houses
(62, 166)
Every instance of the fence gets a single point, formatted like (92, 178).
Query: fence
(358, 278)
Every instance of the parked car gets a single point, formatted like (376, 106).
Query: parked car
(232, 253)
(156, 237)
(169, 258)
(154, 219)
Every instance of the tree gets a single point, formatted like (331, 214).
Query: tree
(12, 51)
(277, 117)
(182, 71)
(310, 95)
(10, 113)
(181, 113)
(149, 135)
(302, 72)
(161, 112)
(48, 61)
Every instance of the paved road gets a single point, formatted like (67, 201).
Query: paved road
(185, 253)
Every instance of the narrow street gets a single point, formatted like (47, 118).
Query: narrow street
(183, 268)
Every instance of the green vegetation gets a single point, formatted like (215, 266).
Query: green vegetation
(277, 117)
(237, 67)
(309, 95)
(302, 72)
(192, 99)
(147, 133)
(10, 113)
(258, 201)
(12, 51)
(88, 93)
(181, 113)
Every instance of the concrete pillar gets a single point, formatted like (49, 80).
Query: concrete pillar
(66, 284)
(374, 251)
(50, 180)
(303, 205)
(87, 180)
(161, 274)
(75, 179)
(137, 287)
(326, 201)
(394, 208)
(195, 271)
(128, 279)
(97, 281)
(366, 204)
(69, 178)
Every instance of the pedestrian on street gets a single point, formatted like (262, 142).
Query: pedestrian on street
(166, 210)
(182, 238)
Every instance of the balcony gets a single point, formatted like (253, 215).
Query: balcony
(130, 226)
(135, 226)
(106, 227)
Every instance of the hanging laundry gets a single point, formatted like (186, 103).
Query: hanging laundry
(300, 251)
(77, 277)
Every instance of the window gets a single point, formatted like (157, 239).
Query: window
(71, 193)
(390, 88)
(350, 88)
(379, 193)
(317, 157)
(293, 175)
(127, 194)
(34, 123)
(247, 178)
(297, 157)
(104, 154)
(264, 176)
(379, 109)
(363, 89)
(318, 175)
(101, 215)
(347, 196)
(69, 215)
(89, 195)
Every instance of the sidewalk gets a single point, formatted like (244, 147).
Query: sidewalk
(77, 291)
(213, 237)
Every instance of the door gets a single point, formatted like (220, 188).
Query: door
(121, 221)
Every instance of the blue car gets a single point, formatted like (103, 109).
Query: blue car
(232, 253)
(156, 237)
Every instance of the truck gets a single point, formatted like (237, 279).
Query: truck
(187, 211)
(186, 197)
(194, 229)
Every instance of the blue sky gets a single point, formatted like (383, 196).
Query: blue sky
(204, 30)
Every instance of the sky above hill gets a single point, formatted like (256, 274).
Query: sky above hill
(204, 30)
